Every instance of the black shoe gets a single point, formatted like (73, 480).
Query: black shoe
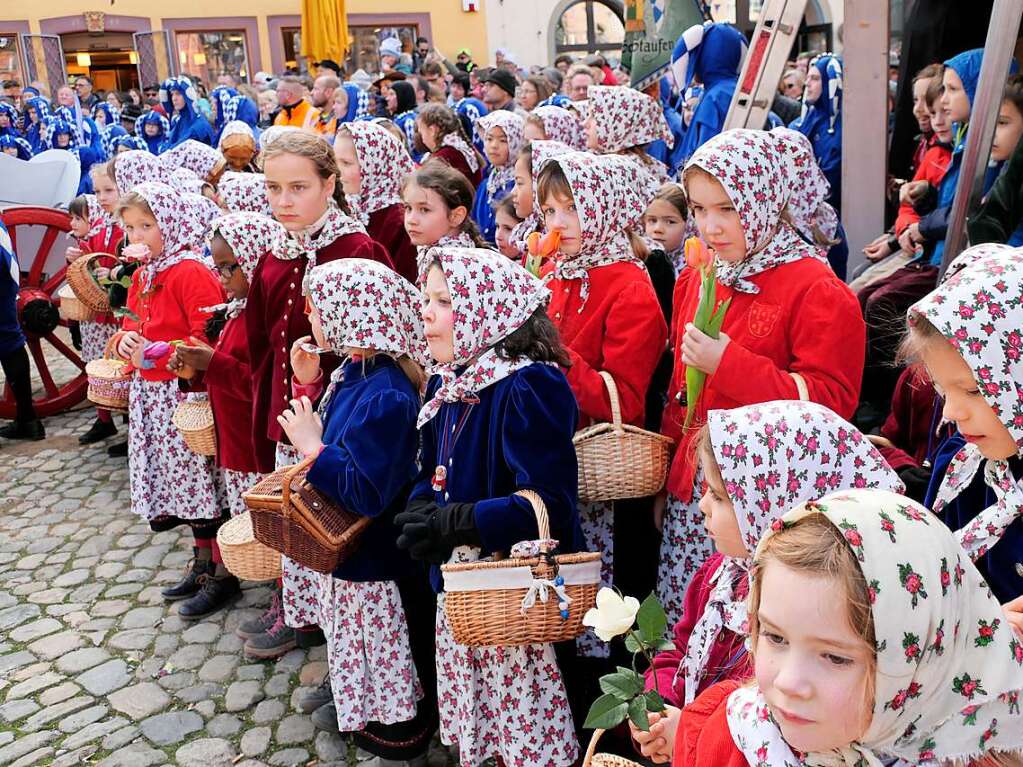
(30, 430)
(325, 718)
(309, 637)
(318, 697)
(217, 590)
(99, 430)
(189, 585)
(273, 643)
(256, 626)
(120, 450)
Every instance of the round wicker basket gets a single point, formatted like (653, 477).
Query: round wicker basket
(243, 555)
(72, 308)
(592, 759)
(84, 285)
(108, 381)
(194, 420)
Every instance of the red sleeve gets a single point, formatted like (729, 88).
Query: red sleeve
(907, 215)
(702, 738)
(195, 287)
(633, 342)
(825, 361)
(230, 374)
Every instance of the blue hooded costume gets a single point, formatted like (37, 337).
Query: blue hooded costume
(469, 111)
(11, 336)
(111, 127)
(13, 116)
(659, 149)
(10, 141)
(821, 122)
(713, 54)
(220, 97)
(358, 104)
(60, 126)
(128, 142)
(239, 108)
(88, 154)
(189, 123)
(152, 143)
(557, 100)
(34, 133)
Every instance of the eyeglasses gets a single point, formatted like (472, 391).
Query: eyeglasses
(227, 270)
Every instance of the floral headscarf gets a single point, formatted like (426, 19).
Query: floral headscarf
(136, 167)
(267, 137)
(383, 163)
(513, 127)
(561, 125)
(23, 147)
(808, 186)
(334, 223)
(949, 670)
(244, 192)
(249, 236)
(626, 118)
(423, 259)
(459, 144)
(201, 159)
(237, 128)
(979, 309)
(748, 164)
(184, 180)
(181, 226)
(773, 456)
(491, 298)
(540, 152)
(98, 219)
(609, 196)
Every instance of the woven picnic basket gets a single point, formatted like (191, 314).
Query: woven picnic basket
(83, 283)
(617, 460)
(72, 308)
(243, 555)
(194, 419)
(593, 759)
(109, 379)
(292, 517)
(483, 600)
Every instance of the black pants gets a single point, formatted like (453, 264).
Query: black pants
(19, 377)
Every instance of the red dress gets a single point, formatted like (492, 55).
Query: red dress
(620, 329)
(702, 738)
(387, 227)
(456, 160)
(804, 320)
(104, 241)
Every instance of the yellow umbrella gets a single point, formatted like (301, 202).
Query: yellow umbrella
(324, 30)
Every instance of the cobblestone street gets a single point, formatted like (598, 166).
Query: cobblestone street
(94, 667)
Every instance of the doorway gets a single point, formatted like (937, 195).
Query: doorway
(109, 59)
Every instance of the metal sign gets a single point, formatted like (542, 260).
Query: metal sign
(44, 60)
(156, 59)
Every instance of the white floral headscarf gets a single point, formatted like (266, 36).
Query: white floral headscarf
(274, 132)
(334, 223)
(98, 219)
(460, 145)
(237, 128)
(749, 165)
(514, 127)
(136, 167)
(244, 192)
(773, 456)
(561, 125)
(249, 236)
(808, 186)
(383, 162)
(625, 118)
(979, 309)
(186, 181)
(181, 225)
(201, 159)
(423, 259)
(949, 669)
(491, 297)
(540, 152)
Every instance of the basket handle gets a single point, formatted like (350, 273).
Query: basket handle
(616, 404)
(289, 475)
(592, 748)
(109, 352)
(543, 523)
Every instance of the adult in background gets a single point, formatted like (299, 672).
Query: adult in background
(463, 60)
(499, 87)
(328, 68)
(321, 120)
(83, 87)
(580, 78)
(792, 83)
(420, 53)
(293, 110)
(534, 90)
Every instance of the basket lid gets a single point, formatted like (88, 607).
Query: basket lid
(236, 531)
(193, 415)
(106, 368)
(66, 293)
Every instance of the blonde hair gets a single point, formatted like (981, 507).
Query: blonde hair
(314, 149)
(920, 332)
(134, 201)
(672, 194)
(102, 169)
(703, 451)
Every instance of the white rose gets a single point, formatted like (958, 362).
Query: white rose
(613, 614)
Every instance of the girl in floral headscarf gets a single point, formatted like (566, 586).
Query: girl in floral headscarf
(894, 647)
(240, 192)
(239, 146)
(969, 335)
(170, 484)
(501, 132)
(497, 386)
(154, 129)
(201, 159)
(551, 123)
(179, 99)
(532, 159)
(441, 132)
(626, 121)
(760, 461)
(373, 163)
(772, 345)
(603, 305)
(376, 609)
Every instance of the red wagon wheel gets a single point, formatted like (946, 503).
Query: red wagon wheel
(37, 290)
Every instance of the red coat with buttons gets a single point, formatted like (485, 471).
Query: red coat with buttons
(619, 329)
(387, 227)
(275, 318)
(456, 160)
(804, 321)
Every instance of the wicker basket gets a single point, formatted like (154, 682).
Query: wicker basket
(291, 516)
(89, 292)
(620, 461)
(243, 555)
(71, 307)
(194, 420)
(604, 760)
(492, 613)
(108, 381)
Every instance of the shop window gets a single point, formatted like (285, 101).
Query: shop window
(10, 58)
(365, 51)
(589, 26)
(292, 46)
(207, 55)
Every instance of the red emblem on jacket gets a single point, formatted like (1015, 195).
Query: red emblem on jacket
(762, 318)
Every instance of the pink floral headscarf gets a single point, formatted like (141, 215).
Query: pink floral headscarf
(625, 118)
(181, 227)
(513, 127)
(249, 236)
(135, 167)
(383, 162)
(808, 185)
(459, 144)
(748, 164)
(561, 125)
(244, 192)
(979, 309)
(186, 181)
(541, 152)
(333, 224)
(491, 298)
(197, 157)
(773, 456)
(98, 219)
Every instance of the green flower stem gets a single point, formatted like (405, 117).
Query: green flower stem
(647, 655)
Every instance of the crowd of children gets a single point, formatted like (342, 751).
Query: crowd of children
(381, 319)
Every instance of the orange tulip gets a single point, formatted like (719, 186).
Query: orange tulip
(544, 246)
(697, 254)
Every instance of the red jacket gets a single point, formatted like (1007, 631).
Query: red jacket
(229, 384)
(456, 160)
(620, 329)
(170, 311)
(932, 169)
(908, 426)
(804, 320)
(104, 241)
(728, 658)
(275, 318)
(703, 738)
(387, 227)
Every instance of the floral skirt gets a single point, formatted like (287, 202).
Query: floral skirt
(94, 338)
(372, 673)
(231, 485)
(597, 521)
(300, 585)
(502, 701)
(685, 546)
(166, 477)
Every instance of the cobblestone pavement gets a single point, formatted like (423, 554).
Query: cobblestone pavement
(94, 667)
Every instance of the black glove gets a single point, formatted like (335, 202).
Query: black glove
(916, 479)
(430, 532)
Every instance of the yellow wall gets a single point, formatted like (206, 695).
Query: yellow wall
(452, 29)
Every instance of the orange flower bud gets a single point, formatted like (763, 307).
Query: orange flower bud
(697, 254)
(549, 244)
(533, 243)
